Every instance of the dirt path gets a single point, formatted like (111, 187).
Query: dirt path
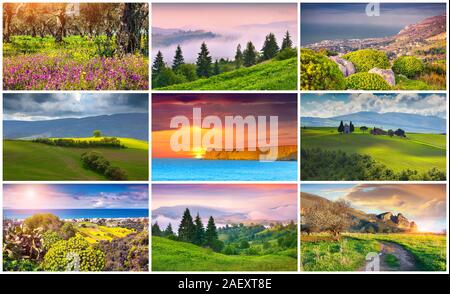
(394, 257)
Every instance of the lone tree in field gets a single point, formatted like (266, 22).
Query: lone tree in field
(287, 42)
(97, 133)
(238, 58)
(204, 62)
(341, 127)
(186, 229)
(199, 235)
(363, 129)
(178, 59)
(249, 55)
(332, 217)
(158, 64)
(132, 21)
(270, 47)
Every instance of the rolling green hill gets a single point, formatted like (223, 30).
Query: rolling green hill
(270, 75)
(419, 152)
(25, 160)
(171, 255)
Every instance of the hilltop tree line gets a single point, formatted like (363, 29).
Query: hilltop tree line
(192, 231)
(373, 131)
(180, 71)
(126, 23)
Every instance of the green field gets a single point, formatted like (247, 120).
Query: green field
(270, 75)
(321, 253)
(26, 160)
(94, 233)
(168, 255)
(419, 152)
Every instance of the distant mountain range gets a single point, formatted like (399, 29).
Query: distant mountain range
(166, 37)
(413, 123)
(127, 125)
(362, 221)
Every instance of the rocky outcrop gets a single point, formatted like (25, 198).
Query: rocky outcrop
(285, 153)
(387, 74)
(427, 28)
(346, 67)
(399, 221)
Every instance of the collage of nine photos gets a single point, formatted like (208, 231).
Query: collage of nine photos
(265, 137)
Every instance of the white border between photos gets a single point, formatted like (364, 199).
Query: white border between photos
(298, 183)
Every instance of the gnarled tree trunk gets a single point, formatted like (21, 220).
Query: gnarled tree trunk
(131, 22)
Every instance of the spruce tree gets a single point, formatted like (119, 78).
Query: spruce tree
(341, 127)
(178, 59)
(204, 62)
(156, 231)
(186, 228)
(199, 238)
(287, 42)
(168, 231)
(216, 68)
(211, 233)
(158, 64)
(249, 55)
(238, 58)
(270, 47)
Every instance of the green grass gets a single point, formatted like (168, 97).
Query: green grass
(320, 253)
(94, 233)
(419, 152)
(403, 83)
(271, 75)
(391, 260)
(429, 250)
(25, 160)
(168, 255)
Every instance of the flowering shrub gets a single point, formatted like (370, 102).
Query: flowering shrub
(409, 66)
(42, 72)
(366, 59)
(366, 81)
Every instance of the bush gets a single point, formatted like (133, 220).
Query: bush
(286, 53)
(366, 59)
(67, 231)
(49, 238)
(96, 162)
(319, 73)
(366, 81)
(409, 66)
(44, 221)
(20, 265)
(115, 174)
(168, 77)
(67, 255)
(189, 71)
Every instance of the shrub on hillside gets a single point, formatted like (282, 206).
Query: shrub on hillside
(366, 81)
(95, 161)
(286, 53)
(409, 66)
(43, 221)
(319, 73)
(103, 142)
(115, 174)
(49, 238)
(73, 254)
(366, 59)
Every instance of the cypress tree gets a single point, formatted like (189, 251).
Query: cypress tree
(352, 127)
(287, 42)
(204, 62)
(158, 64)
(199, 238)
(249, 55)
(270, 47)
(178, 59)
(211, 233)
(341, 127)
(238, 58)
(186, 228)
(156, 231)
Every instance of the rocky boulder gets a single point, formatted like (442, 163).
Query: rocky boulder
(346, 67)
(387, 74)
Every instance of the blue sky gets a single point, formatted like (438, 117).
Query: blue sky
(330, 105)
(423, 203)
(391, 14)
(67, 196)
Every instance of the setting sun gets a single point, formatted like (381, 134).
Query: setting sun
(198, 153)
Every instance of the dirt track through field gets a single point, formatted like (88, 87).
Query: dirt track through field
(405, 260)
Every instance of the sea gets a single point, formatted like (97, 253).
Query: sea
(313, 33)
(186, 169)
(77, 213)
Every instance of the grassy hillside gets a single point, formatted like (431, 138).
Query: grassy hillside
(25, 160)
(419, 152)
(168, 255)
(271, 75)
